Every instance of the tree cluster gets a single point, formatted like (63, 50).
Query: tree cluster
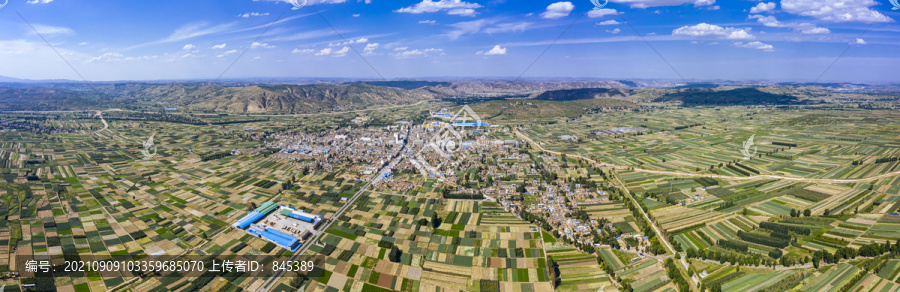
(764, 240)
(676, 276)
(783, 228)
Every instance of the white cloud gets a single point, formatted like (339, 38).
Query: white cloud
(342, 52)
(769, 21)
(194, 30)
(558, 10)
(432, 22)
(401, 48)
(116, 57)
(705, 30)
(314, 2)
(83, 43)
(595, 13)
(324, 52)
(497, 50)
(453, 7)
(18, 47)
(38, 1)
(419, 53)
(370, 48)
(412, 53)
(304, 51)
(804, 28)
(50, 30)
(860, 41)
(740, 35)
(356, 15)
(260, 45)
(188, 47)
(809, 28)
(106, 57)
(188, 31)
(462, 12)
(486, 25)
(219, 46)
(835, 10)
(755, 45)
(655, 3)
(329, 52)
(350, 42)
(249, 14)
(608, 22)
(226, 53)
(508, 27)
(469, 27)
(763, 7)
(615, 31)
(313, 34)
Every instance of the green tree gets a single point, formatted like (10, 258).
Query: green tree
(395, 254)
(435, 221)
(554, 272)
(807, 212)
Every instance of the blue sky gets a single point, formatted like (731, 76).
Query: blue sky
(779, 40)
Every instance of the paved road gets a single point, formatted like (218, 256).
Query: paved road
(269, 283)
(105, 124)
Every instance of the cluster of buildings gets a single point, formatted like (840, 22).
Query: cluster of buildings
(364, 148)
(43, 128)
(557, 200)
(280, 224)
(617, 131)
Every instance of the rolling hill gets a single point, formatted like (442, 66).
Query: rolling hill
(739, 96)
(212, 98)
(543, 110)
(579, 94)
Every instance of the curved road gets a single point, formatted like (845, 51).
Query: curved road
(105, 124)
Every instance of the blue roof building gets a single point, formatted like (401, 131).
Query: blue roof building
(251, 218)
(470, 124)
(280, 238)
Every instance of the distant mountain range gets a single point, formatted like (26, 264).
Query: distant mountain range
(245, 97)
(268, 98)
(259, 98)
(10, 79)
